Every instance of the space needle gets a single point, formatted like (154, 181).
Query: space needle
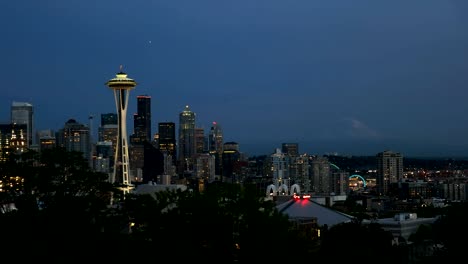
(121, 85)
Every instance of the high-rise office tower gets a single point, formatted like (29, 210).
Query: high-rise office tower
(22, 113)
(291, 149)
(12, 139)
(107, 136)
(153, 160)
(142, 120)
(299, 172)
(108, 131)
(233, 163)
(167, 140)
(215, 145)
(121, 85)
(199, 140)
(186, 140)
(339, 180)
(75, 136)
(205, 168)
(137, 160)
(389, 170)
(321, 176)
(141, 135)
(46, 139)
(215, 140)
(104, 157)
(109, 119)
(280, 169)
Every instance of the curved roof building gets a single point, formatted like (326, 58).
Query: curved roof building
(303, 208)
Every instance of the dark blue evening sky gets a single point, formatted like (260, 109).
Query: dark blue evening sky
(347, 76)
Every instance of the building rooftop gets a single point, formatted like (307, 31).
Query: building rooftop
(402, 224)
(306, 208)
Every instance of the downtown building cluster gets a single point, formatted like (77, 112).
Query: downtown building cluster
(154, 157)
(185, 153)
(174, 155)
(164, 157)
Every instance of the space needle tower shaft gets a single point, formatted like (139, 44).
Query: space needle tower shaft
(121, 85)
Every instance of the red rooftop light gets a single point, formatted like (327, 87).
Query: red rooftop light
(304, 196)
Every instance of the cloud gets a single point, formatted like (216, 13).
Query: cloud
(359, 129)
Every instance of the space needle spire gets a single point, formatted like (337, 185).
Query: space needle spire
(121, 85)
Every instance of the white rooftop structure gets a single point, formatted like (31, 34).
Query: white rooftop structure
(402, 224)
(306, 208)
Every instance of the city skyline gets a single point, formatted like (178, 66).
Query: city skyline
(353, 78)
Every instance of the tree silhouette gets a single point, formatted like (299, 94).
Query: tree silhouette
(60, 202)
(224, 223)
(358, 243)
(63, 215)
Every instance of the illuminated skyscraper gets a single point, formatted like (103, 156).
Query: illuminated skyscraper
(279, 169)
(230, 162)
(108, 131)
(141, 135)
(321, 176)
(215, 145)
(109, 119)
(142, 120)
(292, 149)
(199, 140)
(107, 137)
(22, 114)
(75, 137)
(121, 85)
(186, 139)
(12, 139)
(389, 170)
(167, 139)
(46, 139)
(215, 140)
